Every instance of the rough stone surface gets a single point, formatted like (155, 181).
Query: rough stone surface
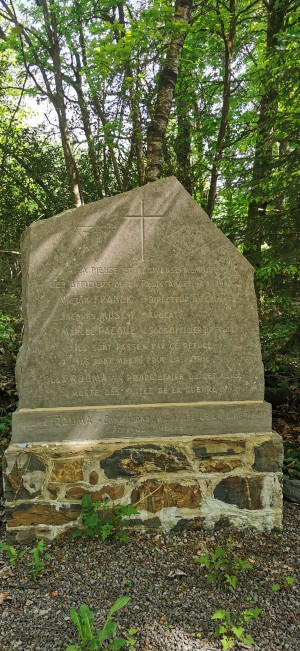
(93, 478)
(113, 492)
(141, 421)
(291, 490)
(137, 300)
(207, 480)
(30, 514)
(69, 470)
(269, 455)
(155, 495)
(26, 478)
(219, 466)
(140, 375)
(145, 459)
(219, 448)
(244, 492)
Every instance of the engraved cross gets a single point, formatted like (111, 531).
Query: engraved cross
(142, 217)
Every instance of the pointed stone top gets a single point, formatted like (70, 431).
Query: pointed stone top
(139, 300)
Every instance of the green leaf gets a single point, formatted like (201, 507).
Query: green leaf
(226, 642)
(127, 509)
(76, 621)
(290, 580)
(87, 618)
(219, 553)
(275, 587)
(222, 629)
(238, 631)
(109, 629)
(117, 643)
(204, 560)
(211, 577)
(248, 639)
(106, 530)
(119, 603)
(220, 614)
(251, 613)
(231, 580)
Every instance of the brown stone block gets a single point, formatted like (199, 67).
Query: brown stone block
(154, 496)
(26, 478)
(53, 490)
(142, 459)
(93, 478)
(113, 492)
(67, 470)
(31, 514)
(204, 449)
(244, 492)
(269, 455)
(220, 465)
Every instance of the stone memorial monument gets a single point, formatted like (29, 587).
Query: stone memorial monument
(140, 376)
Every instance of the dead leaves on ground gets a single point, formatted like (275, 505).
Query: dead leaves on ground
(4, 596)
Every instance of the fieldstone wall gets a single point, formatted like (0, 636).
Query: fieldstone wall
(203, 481)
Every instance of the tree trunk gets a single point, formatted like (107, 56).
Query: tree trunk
(137, 139)
(183, 139)
(229, 45)
(59, 100)
(137, 135)
(165, 92)
(263, 157)
(87, 127)
(99, 110)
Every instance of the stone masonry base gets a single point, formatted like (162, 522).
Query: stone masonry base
(201, 481)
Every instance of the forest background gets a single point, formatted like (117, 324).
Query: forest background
(99, 97)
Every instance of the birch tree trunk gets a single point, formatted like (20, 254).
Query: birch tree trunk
(165, 92)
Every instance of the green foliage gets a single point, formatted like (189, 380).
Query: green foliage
(39, 557)
(101, 520)
(289, 581)
(5, 424)
(224, 565)
(120, 63)
(291, 463)
(8, 337)
(91, 640)
(232, 628)
(13, 555)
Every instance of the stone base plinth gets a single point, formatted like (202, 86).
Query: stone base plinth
(203, 481)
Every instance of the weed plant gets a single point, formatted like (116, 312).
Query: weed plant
(39, 555)
(283, 583)
(224, 565)
(12, 554)
(104, 639)
(232, 628)
(103, 521)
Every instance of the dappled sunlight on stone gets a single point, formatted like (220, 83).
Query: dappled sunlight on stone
(142, 343)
